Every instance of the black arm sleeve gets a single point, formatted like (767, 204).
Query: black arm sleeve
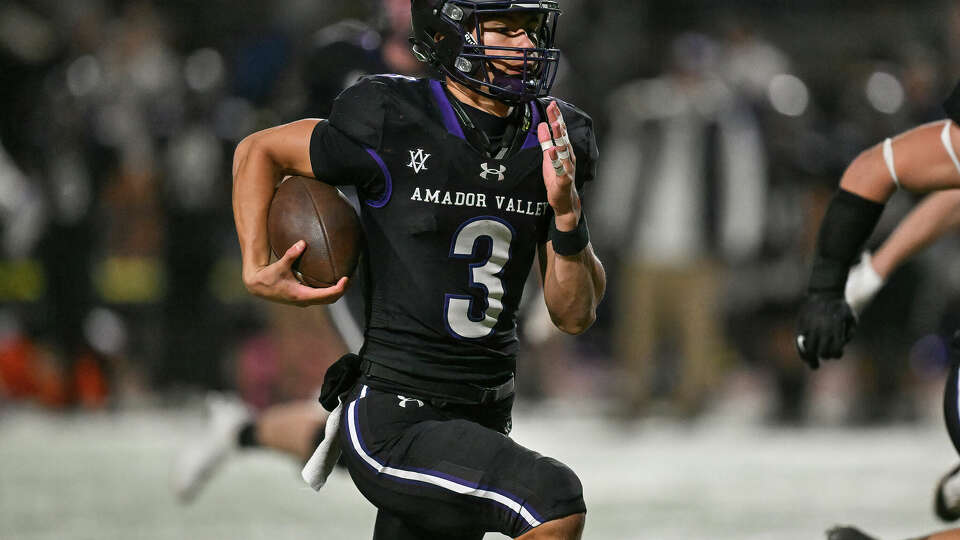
(339, 160)
(952, 104)
(846, 226)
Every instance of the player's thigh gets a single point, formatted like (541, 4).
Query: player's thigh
(453, 477)
(392, 527)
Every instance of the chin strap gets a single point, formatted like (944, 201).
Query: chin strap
(513, 136)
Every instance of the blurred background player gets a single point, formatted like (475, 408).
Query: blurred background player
(339, 55)
(682, 199)
(937, 215)
(923, 159)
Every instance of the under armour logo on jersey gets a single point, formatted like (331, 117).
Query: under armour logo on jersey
(418, 160)
(405, 400)
(496, 172)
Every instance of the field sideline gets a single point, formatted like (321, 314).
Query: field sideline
(106, 476)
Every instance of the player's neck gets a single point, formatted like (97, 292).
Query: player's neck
(477, 100)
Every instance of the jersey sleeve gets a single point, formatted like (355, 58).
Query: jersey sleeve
(952, 104)
(359, 112)
(580, 130)
(339, 160)
(584, 142)
(343, 149)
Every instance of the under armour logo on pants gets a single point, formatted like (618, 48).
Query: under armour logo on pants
(405, 400)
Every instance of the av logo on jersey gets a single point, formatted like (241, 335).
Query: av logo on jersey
(418, 160)
(498, 173)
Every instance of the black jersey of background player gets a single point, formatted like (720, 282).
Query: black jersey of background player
(451, 232)
(339, 55)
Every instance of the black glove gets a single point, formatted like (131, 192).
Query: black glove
(824, 326)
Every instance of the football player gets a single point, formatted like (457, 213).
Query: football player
(464, 180)
(921, 160)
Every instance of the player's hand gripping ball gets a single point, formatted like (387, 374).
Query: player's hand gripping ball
(825, 324)
(310, 210)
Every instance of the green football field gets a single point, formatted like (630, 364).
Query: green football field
(106, 476)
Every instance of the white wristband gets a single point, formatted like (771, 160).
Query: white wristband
(863, 283)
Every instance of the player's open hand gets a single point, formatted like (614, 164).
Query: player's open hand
(559, 165)
(277, 282)
(824, 327)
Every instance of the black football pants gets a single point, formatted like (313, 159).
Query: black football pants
(438, 471)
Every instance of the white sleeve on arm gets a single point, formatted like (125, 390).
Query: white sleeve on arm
(945, 139)
(888, 159)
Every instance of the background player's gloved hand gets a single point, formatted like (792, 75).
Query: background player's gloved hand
(826, 322)
(863, 283)
(278, 283)
(824, 326)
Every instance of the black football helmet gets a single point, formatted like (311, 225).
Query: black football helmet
(442, 36)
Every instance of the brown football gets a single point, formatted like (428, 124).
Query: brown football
(310, 210)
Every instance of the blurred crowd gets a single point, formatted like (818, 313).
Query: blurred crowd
(723, 133)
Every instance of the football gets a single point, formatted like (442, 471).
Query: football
(309, 210)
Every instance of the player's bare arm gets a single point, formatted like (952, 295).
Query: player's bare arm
(931, 219)
(938, 214)
(919, 160)
(574, 283)
(261, 160)
(922, 159)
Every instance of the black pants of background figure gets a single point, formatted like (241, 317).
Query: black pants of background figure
(66, 253)
(884, 396)
(439, 471)
(193, 322)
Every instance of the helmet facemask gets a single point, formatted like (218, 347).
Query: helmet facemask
(465, 58)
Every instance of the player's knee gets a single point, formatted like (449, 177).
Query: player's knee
(560, 502)
(565, 528)
(560, 484)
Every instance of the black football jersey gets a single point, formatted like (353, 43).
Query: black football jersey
(451, 233)
(952, 104)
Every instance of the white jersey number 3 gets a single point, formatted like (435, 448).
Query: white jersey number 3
(485, 275)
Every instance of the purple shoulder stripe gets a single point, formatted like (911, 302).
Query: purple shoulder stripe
(532, 138)
(449, 117)
(388, 188)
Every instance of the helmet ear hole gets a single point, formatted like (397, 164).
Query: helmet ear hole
(422, 53)
(464, 65)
